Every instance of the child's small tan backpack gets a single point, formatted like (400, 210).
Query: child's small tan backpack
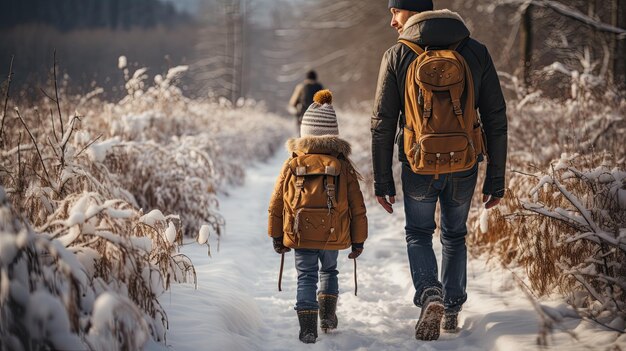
(315, 205)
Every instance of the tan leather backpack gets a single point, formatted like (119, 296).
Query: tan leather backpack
(442, 134)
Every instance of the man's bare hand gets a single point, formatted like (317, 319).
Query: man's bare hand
(490, 201)
(387, 205)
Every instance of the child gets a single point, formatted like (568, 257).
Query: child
(317, 209)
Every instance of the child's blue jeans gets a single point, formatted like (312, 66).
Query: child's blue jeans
(307, 267)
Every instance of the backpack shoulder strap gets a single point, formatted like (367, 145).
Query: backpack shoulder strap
(300, 173)
(416, 48)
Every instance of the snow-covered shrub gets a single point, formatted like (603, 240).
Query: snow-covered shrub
(569, 233)
(591, 205)
(72, 236)
(567, 236)
(85, 249)
(174, 153)
(181, 177)
(58, 280)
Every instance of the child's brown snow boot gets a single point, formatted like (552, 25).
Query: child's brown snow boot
(328, 308)
(308, 326)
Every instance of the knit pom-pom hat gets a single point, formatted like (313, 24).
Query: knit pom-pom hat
(320, 118)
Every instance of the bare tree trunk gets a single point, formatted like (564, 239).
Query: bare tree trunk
(526, 45)
(235, 49)
(230, 48)
(619, 43)
(242, 48)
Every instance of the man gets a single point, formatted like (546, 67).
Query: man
(302, 96)
(440, 300)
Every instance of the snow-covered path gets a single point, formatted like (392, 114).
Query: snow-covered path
(237, 305)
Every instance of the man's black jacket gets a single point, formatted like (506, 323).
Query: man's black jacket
(436, 29)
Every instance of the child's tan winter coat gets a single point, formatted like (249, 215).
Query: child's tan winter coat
(321, 227)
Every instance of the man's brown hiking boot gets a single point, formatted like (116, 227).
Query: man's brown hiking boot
(308, 326)
(328, 308)
(429, 323)
(450, 322)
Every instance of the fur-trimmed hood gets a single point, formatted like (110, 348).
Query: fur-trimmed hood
(435, 28)
(319, 145)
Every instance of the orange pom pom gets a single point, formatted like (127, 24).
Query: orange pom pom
(323, 97)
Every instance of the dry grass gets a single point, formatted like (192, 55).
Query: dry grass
(533, 227)
(79, 228)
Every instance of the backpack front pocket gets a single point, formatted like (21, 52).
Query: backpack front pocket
(316, 224)
(446, 152)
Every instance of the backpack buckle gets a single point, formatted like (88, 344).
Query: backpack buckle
(456, 105)
(427, 113)
(300, 182)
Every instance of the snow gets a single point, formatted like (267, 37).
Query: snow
(111, 312)
(72, 235)
(170, 232)
(143, 243)
(119, 213)
(77, 212)
(203, 236)
(46, 317)
(87, 258)
(8, 249)
(175, 72)
(152, 217)
(237, 306)
(484, 221)
(545, 180)
(121, 62)
(98, 151)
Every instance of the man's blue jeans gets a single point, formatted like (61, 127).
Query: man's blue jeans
(307, 267)
(454, 192)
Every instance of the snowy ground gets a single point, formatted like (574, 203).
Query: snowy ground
(237, 305)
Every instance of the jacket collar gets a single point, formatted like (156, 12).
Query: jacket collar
(319, 145)
(435, 28)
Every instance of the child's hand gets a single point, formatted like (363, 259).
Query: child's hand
(279, 247)
(357, 249)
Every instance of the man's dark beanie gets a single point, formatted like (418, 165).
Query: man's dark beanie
(412, 5)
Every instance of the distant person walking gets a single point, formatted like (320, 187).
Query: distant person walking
(430, 85)
(302, 96)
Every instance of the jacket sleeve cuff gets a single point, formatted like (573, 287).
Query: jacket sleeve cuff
(275, 226)
(357, 246)
(385, 189)
(494, 187)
